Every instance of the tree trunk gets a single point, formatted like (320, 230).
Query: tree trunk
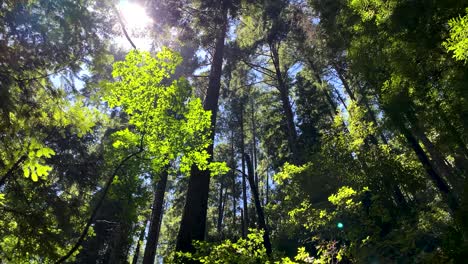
(220, 209)
(244, 184)
(373, 118)
(193, 223)
(344, 82)
(254, 141)
(258, 206)
(242, 217)
(370, 112)
(461, 146)
(233, 169)
(136, 255)
(11, 171)
(267, 192)
(340, 98)
(330, 101)
(438, 161)
(284, 96)
(155, 222)
(225, 197)
(397, 193)
(438, 181)
(115, 250)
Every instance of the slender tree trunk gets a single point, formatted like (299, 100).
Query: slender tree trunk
(267, 192)
(242, 217)
(136, 255)
(220, 209)
(370, 112)
(438, 181)
(116, 254)
(330, 101)
(234, 189)
(258, 206)
(438, 161)
(10, 172)
(155, 223)
(244, 184)
(254, 140)
(284, 96)
(342, 100)
(344, 82)
(454, 131)
(397, 193)
(373, 118)
(193, 223)
(225, 196)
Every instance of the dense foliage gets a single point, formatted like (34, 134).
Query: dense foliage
(280, 131)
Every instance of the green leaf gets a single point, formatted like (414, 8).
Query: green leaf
(26, 172)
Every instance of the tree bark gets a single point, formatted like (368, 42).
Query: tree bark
(220, 209)
(330, 101)
(234, 189)
(225, 197)
(454, 131)
(244, 184)
(254, 141)
(10, 172)
(261, 216)
(267, 188)
(437, 180)
(344, 82)
(136, 255)
(99, 203)
(155, 222)
(397, 193)
(193, 223)
(438, 161)
(286, 104)
(373, 118)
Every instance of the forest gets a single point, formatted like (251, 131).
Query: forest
(233, 131)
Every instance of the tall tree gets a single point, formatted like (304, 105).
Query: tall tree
(193, 223)
(156, 215)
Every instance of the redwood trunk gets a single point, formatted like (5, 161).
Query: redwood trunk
(438, 181)
(234, 199)
(254, 141)
(220, 209)
(284, 96)
(438, 161)
(193, 223)
(258, 206)
(244, 184)
(139, 242)
(155, 224)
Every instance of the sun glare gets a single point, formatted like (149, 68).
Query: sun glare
(134, 16)
(136, 20)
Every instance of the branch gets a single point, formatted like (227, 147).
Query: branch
(106, 189)
(264, 70)
(98, 206)
(123, 27)
(251, 84)
(243, 173)
(262, 54)
(9, 173)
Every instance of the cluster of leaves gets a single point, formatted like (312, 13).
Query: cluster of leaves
(356, 107)
(458, 40)
(248, 250)
(167, 120)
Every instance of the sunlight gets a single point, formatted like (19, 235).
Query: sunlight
(136, 21)
(134, 16)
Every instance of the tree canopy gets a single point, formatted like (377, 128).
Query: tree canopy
(202, 131)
